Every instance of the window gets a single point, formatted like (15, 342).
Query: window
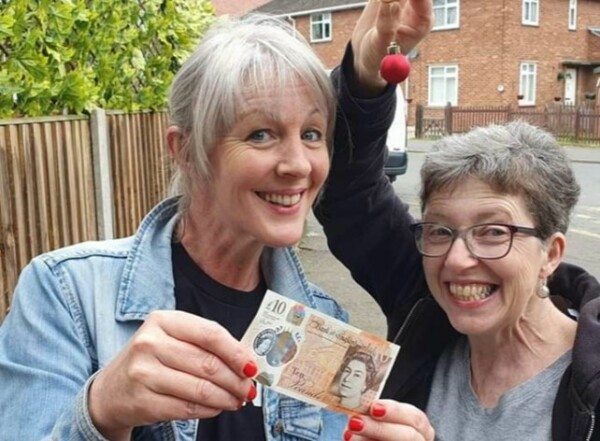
(572, 15)
(531, 12)
(527, 80)
(445, 14)
(320, 27)
(443, 85)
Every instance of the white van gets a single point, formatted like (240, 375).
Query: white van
(397, 160)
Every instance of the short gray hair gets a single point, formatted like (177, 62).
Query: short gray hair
(517, 159)
(234, 58)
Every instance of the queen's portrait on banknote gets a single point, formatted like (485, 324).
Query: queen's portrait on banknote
(356, 375)
(264, 341)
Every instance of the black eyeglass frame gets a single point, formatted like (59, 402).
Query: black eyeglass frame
(530, 231)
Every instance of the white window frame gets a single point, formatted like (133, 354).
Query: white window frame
(531, 13)
(450, 71)
(323, 20)
(527, 83)
(444, 8)
(572, 15)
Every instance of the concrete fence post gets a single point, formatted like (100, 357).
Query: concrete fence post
(102, 174)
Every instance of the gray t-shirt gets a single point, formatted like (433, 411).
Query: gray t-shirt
(523, 413)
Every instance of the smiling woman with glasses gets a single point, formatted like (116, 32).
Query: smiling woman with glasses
(495, 206)
(484, 345)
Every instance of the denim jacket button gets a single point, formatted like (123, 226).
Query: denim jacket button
(278, 427)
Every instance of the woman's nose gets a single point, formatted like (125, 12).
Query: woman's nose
(294, 160)
(458, 255)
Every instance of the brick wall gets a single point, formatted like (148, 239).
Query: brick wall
(491, 43)
(342, 24)
(488, 48)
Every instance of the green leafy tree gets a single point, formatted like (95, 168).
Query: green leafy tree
(69, 56)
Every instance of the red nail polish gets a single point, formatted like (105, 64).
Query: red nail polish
(378, 410)
(356, 424)
(250, 369)
(251, 393)
(347, 435)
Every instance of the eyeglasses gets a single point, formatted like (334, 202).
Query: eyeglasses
(484, 241)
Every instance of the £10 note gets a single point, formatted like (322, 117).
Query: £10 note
(317, 359)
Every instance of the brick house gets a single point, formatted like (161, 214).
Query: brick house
(526, 53)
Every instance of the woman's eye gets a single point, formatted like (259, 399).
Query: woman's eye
(440, 232)
(312, 135)
(499, 232)
(259, 136)
(494, 231)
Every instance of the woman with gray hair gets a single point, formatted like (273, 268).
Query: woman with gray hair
(138, 338)
(487, 353)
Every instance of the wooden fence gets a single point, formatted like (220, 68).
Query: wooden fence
(68, 179)
(578, 124)
(140, 169)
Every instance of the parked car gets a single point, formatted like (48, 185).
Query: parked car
(397, 160)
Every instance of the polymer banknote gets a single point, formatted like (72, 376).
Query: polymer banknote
(317, 359)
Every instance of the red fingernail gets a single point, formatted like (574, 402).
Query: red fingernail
(356, 424)
(251, 393)
(378, 410)
(347, 435)
(250, 369)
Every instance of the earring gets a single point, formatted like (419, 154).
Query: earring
(543, 291)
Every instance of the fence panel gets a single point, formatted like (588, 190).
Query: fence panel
(579, 124)
(533, 116)
(46, 193)
(465, 118)
(48, 187)
(140, 165)
(589, 125)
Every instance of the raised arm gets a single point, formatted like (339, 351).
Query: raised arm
(365, 222)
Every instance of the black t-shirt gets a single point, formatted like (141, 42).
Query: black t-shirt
(197, 293)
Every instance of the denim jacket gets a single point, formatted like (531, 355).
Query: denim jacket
(75, 308)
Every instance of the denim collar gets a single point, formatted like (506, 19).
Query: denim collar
(147, 280)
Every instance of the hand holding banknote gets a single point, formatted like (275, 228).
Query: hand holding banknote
(317, 359)
(389, 420)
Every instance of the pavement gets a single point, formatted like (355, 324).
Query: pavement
(323, 269)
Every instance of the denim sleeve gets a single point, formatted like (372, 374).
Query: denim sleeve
(46, 361)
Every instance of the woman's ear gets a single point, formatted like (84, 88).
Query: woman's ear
(176, 143)
(555, 251)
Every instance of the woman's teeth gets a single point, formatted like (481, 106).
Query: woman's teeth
(279, 199)
(471, 292)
